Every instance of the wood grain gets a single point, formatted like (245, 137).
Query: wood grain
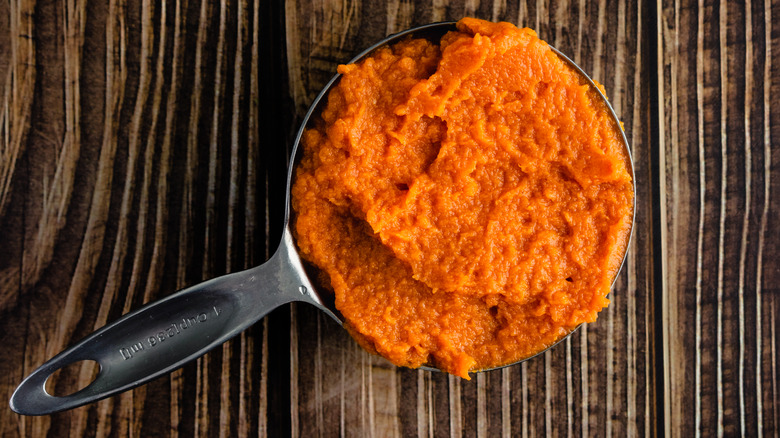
(717, 75)
(144, 147)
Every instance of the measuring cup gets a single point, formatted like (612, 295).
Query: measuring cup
(166, 334)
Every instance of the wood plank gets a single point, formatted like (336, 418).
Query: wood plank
(717, 74)
(107, 198)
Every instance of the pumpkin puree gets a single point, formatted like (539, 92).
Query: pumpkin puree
(469, 202)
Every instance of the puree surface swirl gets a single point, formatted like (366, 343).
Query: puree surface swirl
(469, 202)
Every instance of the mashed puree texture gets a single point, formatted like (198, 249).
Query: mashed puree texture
(469, 202)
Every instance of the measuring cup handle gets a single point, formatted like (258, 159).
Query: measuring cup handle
(164, 335)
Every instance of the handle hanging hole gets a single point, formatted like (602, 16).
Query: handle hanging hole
(71, 378)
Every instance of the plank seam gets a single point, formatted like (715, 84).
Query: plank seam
(657, 189)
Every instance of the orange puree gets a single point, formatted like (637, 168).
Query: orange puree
(468, 202)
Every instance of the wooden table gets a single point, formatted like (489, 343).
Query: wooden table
(144, 146)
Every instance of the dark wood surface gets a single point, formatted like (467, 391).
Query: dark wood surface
(144, 147)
